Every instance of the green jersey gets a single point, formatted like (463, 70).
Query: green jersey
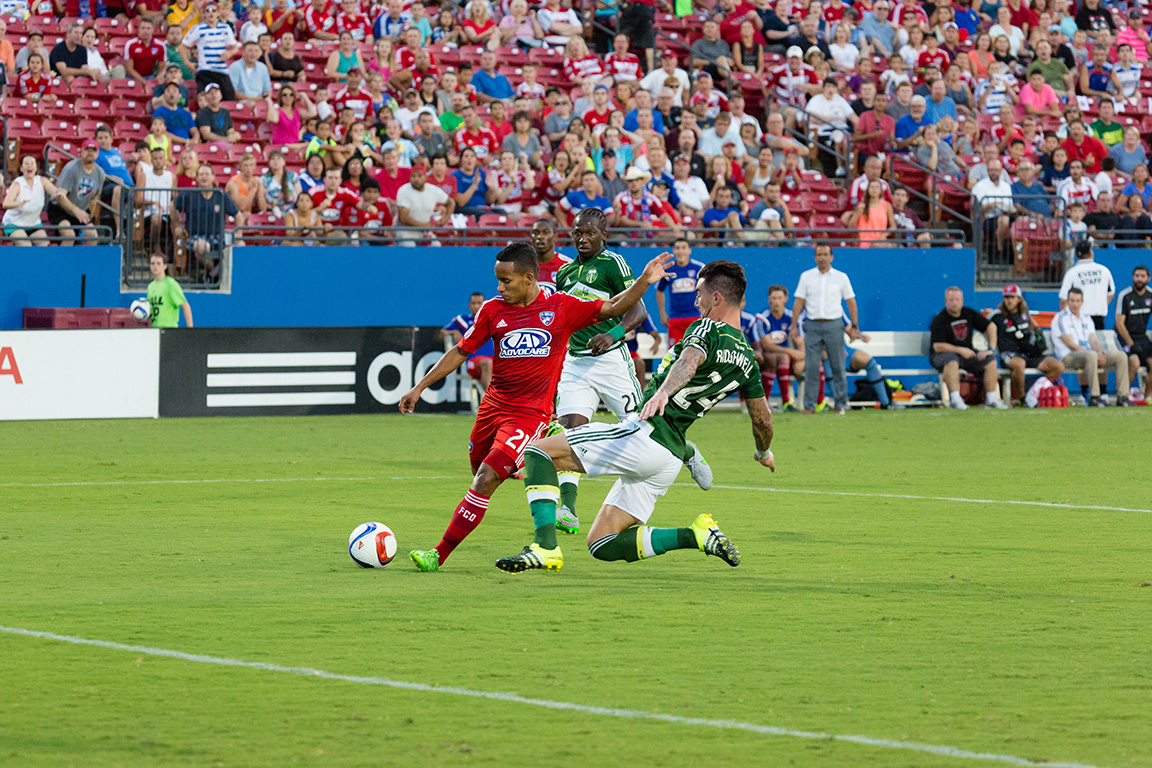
(601, 277)
(166, 298)
(728, 366)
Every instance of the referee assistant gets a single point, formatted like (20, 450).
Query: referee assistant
(820, 291)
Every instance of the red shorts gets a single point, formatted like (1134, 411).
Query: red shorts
(507, 435)
(472, 366)
(677, 327)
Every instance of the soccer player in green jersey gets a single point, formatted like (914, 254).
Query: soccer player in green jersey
(645, 453)
(165, 296)
(598, 365)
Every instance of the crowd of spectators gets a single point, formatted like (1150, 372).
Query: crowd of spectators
(520, 109)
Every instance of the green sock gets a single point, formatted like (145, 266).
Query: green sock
(569, 488)
(616, 546)
(667, 539)
(540, 484)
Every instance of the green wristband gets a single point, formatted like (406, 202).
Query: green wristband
(617, 331)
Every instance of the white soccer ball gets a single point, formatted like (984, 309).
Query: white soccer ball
(141, 309)
(372, 545)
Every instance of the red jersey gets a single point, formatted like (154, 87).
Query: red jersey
(406, 59)
(530, 344)
(896, 15)
(26, 86)
(833, 15)
(500, 129)
(359, 100)
(548, 270)
(788, 85)
(351, 216)
(289, 25)
(592, 118)
(390, 185)
(448, 184)
(343, 198)
(483, 141)
(144, 57)
(716, 102)
(578, 69)
(318, 21)
(626, 67)
(940, 60)
(1090, 151)
(358, 26)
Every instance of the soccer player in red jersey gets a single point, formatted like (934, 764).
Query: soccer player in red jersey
(544, 241)
(530, 329)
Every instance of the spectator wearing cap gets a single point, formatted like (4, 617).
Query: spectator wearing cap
(172, 74)
(1133, 34)
(1020, 341)
(908, 127)
(611, 182)
(35, 44)
(116, 175)
(215, 124)
(657, 79)
(791, 83)
(81, 181)
(490, 84)
(638, 208)
(250, 78)
(711, 54)
(1028, 195)
(216, 44)
(708, 100)
(877, 30)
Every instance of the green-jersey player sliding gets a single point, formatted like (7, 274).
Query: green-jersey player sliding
(645, 453)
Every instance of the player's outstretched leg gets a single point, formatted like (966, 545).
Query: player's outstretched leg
(566, 518)
(541, 484)
(643, 542)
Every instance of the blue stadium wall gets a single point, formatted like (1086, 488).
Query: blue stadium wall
(896, 289)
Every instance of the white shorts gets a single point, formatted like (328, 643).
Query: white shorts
(644, 469)
(586, 380)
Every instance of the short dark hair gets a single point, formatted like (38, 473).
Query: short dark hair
(550, 223)
(682, 240)
(521, 255)
(595, 215)
(1075, 290)
(1139, 267)
(476, 293)
(823, 245)
(773, 288)
(726, 277)
(103, 129)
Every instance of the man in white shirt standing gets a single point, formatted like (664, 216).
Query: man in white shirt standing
(1077, 346)
(995, 197)
(559, 24)
(1094, 281)
(821, 290)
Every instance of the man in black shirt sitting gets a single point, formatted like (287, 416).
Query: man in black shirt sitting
(952, 349)
(1104, 221)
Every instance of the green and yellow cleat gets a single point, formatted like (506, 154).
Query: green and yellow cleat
(712, 540)
(554, 428)
(567, 520)
(425, 559)
(532, 557)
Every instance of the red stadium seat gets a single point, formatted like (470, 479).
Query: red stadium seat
(129, 89)
(129, 129)
(824, 202)
(128, 108)
(822, 222)
(546, 57)
(11, 106)
(817, 181)
(1035, 242)
(494, 220)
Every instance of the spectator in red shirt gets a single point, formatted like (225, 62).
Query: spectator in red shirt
(1081, 146)
(732, 14)
(391, 177)
(372, 216)
(349, 19)
(332, 198)
(34, 85)
(480, 139)
(875, 130)
(318, 23)
(499, 124)
(620, 64)
(601, 108)
(280, 20)
(143, 54)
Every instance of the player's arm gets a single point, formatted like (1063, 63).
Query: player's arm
(654, 271)
(1122, 328)
(602, 342)
(187, 314)
(448, 362)
(679, 375)
(761, 417)
(797, 307)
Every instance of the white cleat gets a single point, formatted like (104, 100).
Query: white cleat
(698, 466)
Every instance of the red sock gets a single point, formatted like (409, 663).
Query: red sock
(767, 378)
(464, 520)
(820, 393)
(782, 373)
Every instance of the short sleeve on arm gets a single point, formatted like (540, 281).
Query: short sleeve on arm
(579, 313)
(698, 336)
(175, 293)
(847, 288)
(481, 330)
(978, 321)
(937, 335)
(752, 389)
(801, 291)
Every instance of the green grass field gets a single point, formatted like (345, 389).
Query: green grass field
(1014, 629)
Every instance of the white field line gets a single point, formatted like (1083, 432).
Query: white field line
(957, 499)
(224, 480)
(629, 714)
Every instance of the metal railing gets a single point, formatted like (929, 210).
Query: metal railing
(1032, 250)
(280, 234)
(937, 185)
(52, 234)
(191, 233)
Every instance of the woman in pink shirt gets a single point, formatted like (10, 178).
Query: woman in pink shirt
(286, 119)
(1038, 98)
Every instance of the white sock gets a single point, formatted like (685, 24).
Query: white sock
(991, 397)
(955, 398)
